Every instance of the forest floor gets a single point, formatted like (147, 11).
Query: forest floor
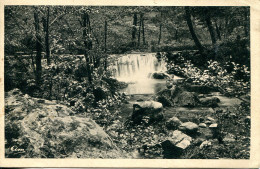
(196, 125)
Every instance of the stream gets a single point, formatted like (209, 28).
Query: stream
(137, 69)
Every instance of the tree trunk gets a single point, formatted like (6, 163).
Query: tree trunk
(246, 22)
(176, 35)
(193, 34)
(143, 29)
(217, 30)
(105, 36)
(38, 48)
(228, 26)
(87, 43)
(160, 29)
(105, 41)
(211, 30)
(134, 29)
(160, 34)
(139, 31)
(47, 45)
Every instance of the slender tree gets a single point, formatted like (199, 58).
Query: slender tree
(46, 29)
(139, 31)
(87, 43)
(176, 34)
(105, 43)
(246, 21)
(38, 46)
(218, 30)
(160, 30)
(193, 34)
(210, 27)
(134, 29)
(142, 19)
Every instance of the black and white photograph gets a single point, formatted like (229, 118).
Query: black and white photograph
(127, 82)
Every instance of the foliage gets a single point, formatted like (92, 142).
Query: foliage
(65, 32)
(232, 82)
(226, 67)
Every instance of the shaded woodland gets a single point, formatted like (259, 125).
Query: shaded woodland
(67, 55)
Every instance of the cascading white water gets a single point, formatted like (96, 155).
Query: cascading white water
(136, 69)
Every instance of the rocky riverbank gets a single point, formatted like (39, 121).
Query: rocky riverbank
(189, 121)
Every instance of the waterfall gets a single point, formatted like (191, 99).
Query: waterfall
(135, 68)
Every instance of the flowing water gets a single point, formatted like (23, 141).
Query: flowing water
(137, 69)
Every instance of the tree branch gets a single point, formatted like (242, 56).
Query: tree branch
(58, 17)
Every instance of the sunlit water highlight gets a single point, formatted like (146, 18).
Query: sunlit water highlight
(136, 70)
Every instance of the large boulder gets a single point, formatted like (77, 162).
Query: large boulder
(166, 96)
(210, 101)
(187, 99)
(175, 144)
(147, 111)
(45, 129)
(160, 75)
(173, 123)
(189, 127)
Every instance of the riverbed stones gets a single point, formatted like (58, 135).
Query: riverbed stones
(202, 125)
(152, 111)
(213, 126)
(205, 143)
(208, 122)
(211, 119)
(229, 138)
(175, 144)
(173, 123)
(201, 96)
(189, 127)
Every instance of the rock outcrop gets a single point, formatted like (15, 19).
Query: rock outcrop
(187, 99)
(45, 129)
(148, 112)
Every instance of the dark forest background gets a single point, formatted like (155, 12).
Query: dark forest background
(66, 54)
